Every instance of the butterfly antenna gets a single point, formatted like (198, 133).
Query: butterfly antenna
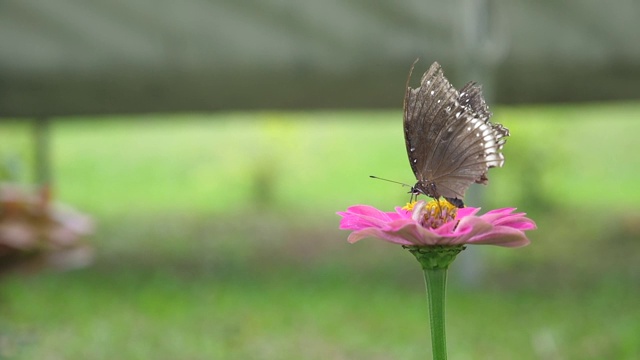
(413, 193)
(392, 181)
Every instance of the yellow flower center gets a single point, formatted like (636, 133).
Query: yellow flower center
(435, 212)
(409, 206)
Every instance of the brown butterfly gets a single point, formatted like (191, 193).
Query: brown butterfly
(450, 141)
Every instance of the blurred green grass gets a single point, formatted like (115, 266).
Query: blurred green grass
(217, 239)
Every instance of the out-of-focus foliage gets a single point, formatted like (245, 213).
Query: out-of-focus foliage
(218, 239)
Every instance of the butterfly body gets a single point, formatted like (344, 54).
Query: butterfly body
(450, 141)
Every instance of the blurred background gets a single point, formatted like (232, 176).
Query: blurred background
(171, 171)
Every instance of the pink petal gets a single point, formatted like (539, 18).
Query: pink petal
(402, 213)
(518, 221)
(469, 227)
(496, 214)
(467, 211)
(417, 235)
(502, 236)
(362, 216)
(376, 233)
(457, 227)
(366, 210)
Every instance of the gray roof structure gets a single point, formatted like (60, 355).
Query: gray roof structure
(72, 57)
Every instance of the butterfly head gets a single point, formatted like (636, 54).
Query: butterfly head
(424, 187)
(428, 188)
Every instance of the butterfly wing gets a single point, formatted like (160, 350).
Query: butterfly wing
(424, 115)
(449, 139)
(493, 134)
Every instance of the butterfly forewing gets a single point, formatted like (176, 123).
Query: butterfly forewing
(449, 139)
(424, 117)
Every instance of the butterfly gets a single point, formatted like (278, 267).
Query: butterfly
(450, 142)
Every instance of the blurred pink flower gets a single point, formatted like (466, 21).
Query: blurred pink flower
(437, 223)
(32, 227)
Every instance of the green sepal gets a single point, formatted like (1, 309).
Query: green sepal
(436, 256)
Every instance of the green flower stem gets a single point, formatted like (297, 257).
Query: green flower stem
(436, 280)
(435, 261)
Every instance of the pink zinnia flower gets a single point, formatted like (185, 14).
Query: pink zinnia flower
(437, 223)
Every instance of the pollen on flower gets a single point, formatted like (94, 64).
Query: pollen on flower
(438, 212)
(409, 206)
